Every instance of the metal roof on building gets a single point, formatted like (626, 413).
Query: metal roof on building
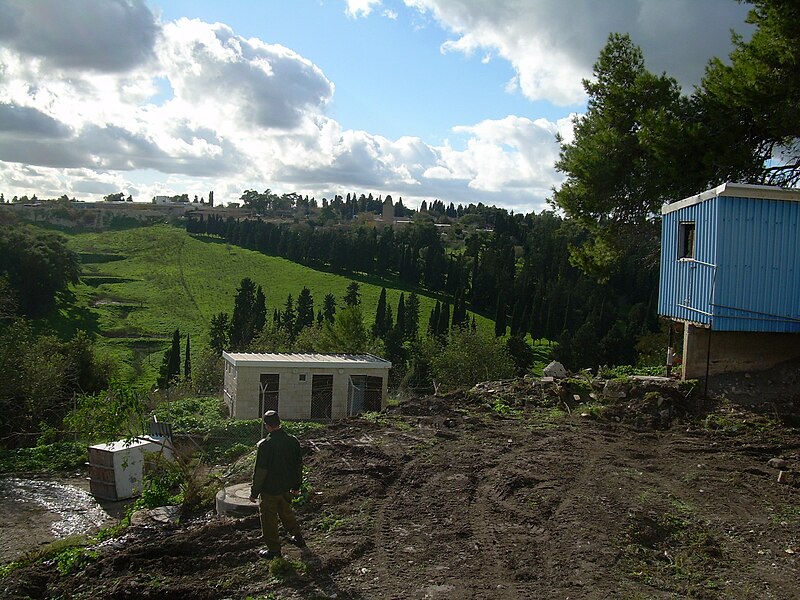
(736, 190)
(310, 360)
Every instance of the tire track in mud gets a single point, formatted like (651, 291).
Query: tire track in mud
(421, 533)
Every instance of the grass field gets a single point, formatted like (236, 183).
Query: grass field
(140, 284)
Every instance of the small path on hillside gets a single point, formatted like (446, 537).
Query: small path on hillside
(183, 279)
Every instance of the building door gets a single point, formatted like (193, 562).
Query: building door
(269, 384)
(321, 396)
(373, 394)
(364, 394)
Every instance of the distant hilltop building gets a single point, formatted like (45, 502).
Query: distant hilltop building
(388, 210)
(162, 200)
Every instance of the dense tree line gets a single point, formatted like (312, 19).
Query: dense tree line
(518, 273)
(455, 354)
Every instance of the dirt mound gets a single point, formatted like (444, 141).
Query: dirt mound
(515, 489)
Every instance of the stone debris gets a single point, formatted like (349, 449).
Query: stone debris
(778, 463)
(555, 369)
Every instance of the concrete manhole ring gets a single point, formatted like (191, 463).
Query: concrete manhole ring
(234, 501)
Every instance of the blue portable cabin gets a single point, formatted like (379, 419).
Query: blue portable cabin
(730, 259)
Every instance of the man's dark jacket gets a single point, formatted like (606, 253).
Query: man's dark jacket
(279, 465)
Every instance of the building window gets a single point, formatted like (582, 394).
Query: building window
(686, 235)
(302, 377)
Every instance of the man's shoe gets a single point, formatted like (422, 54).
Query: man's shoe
(298, 540)
(268, 554)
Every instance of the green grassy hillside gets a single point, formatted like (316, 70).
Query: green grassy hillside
(140, 284)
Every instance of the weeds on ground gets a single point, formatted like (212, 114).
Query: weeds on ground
(625, 371)
(504, 407)
(383, 420)
(330, 521)
(592, 410)
(305, 490)
(283, 568)
(70, 554)
(788, 514)
(670, 547)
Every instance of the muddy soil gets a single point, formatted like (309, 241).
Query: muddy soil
(36, 511)
(514, 490)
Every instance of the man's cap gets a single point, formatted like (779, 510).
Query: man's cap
(271, 418)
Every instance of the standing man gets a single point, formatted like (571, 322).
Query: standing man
(276, 479)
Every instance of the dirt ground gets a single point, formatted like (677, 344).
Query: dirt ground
(518, 489)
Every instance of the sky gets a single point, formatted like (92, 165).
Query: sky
(456, 100)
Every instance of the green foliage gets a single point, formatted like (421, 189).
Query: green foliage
(616, 166)
(161, 488)
(753, 143)
(330, 521)
(69, 554)
(623, 371)
(40, 375)
(249, 314)
(120, 410)
(468, 358)
(305, 486)
(49, 458)
(74, 559)
(286, 568)
(347, 334)
(502, 407)
(170, 280)
(37, 265)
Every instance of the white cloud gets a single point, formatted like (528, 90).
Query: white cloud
(553, 44)
(360, 8)
(80, 34)
(86, 114)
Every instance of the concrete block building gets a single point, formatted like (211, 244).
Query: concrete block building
(304, 386)
(730, 272)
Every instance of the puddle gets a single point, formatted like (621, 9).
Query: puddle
(37, 511)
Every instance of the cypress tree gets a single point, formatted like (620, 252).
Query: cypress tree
(353, 296)
(259, 312)
(443, 326)
(378, 328)
(305, 310)
(500, 317)
(187, 363)
(412, 316)
(329, 307)
(288, 317)
(174, 365)
(433, 321)
(401, 316)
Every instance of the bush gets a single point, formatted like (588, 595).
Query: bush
(61, 456)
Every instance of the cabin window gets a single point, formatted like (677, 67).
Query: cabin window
(686, 236)
(302, 377)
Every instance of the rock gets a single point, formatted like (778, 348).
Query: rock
(547, 379)
(777, 463)
(556, 370)
(163, 515)
(614, 389)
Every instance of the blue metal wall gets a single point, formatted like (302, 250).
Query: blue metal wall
(746, 272)
(686, 286)
(758, 279)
